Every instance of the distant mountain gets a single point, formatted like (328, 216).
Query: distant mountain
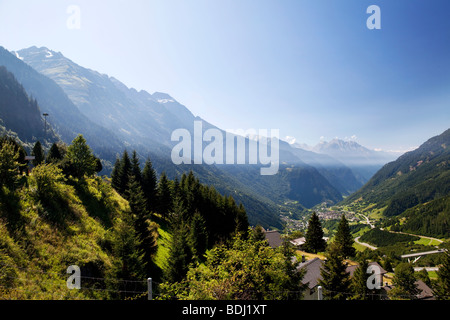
(69, 121)
(21, 114)
(336, 172)
(135, 117)
(114, 117)
(139, 117)
(418, 181)
(64, 116)
(363, 161)
(352, 153)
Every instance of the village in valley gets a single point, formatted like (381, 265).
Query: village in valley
(359, 221)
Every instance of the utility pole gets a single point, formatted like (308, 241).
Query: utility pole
(45, 121)
(150, 289)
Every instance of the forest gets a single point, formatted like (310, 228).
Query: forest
(382, 238)
(57, 211)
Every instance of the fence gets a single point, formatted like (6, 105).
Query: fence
(111, 288)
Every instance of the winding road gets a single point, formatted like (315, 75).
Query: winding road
(365, 244)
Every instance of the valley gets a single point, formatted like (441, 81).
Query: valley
(108, 165)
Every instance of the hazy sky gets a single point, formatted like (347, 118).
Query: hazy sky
(310, 68)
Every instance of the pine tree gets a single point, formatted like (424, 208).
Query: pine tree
(136, 200)
(343, 239)
(404, 282)
(145, 229)
(149, 184)
(128, 260)
(359, 281)
(123, 174)
(314, 235)
(180, 252)
(115, 179)
(241, 221)
(198, 235)
(135, 167)
(9, 165)
(293, 281)
(335, 279)
(38, 153)
(98, 164)
(442, 290)
(54, 154)
(80, 157)
(257, 234)
(164, 195)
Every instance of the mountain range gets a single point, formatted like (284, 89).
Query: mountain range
(113, 117)
(414, 189)
(19, 113)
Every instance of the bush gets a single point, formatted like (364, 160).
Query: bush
(9, 165)
(50, 189)
(46, 178)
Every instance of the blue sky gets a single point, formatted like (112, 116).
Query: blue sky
(310, 68)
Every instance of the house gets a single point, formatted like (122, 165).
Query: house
(351, 269)
(425, 292)
(300, 242)
(273, 237)
(311, 277)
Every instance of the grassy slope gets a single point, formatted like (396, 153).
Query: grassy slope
(35, 251)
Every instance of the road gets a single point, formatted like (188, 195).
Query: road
(365, 244)
(412, 234)
(367, 220)
(426, 268)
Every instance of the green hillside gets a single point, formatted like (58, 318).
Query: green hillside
(63, 214)
(20, 115)
(415, 188)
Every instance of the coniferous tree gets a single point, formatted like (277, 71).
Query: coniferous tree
(123, 173)
(442, 290)
(198, 235)
(54, 154)
(176, 189)
(257, 234)
(180, 252)
(149, 185)
(9, 165)
(38, 153)
(164, 195)
(80, 157)
(404, 282)
(98, 165)
(136, 200)
(145, 230)
(19, 149)
(293, 281)
(424, 276)
(135, 167)
(343, 239)
(241, 221)
(335, 279)
(359, 281)
(129, 258)
(314, 241)
(115, 179)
